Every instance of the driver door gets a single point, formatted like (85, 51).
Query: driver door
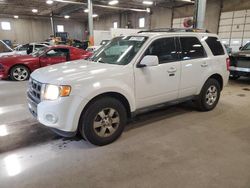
(54, 56)
(159, 84)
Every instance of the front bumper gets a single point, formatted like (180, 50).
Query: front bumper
(61, 115)
(239, 71)
(3, 74)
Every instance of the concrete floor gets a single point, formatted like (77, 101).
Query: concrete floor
(176, 147)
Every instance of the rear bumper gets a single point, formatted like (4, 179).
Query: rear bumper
(239, 71)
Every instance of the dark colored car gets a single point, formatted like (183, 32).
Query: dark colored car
(19, 67)
(240, 63)
(80, 44)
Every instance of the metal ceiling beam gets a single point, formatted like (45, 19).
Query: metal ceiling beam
(102, 6)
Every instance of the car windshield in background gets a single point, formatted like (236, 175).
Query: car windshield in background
(246, 47)
(39, 52)
(119, 51)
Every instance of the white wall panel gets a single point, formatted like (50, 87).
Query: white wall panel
(240, 13)
(247, 27)
(225, 35)
(246, 34)
(238, 28)
(225, 28)
(227, 15)
(226, 22)
(239, 20)
(236, 35)
(248, 19)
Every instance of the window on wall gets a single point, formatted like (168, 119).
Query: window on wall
(141, 22)
(115, 25)
(60, 28)
(5, 26)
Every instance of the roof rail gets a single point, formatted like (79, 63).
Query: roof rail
(175, 30)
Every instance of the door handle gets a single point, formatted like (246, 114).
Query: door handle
(172, 70)
(204, 64)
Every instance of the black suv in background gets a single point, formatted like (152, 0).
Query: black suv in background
(240, 63)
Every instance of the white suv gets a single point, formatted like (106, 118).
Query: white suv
(125, 77)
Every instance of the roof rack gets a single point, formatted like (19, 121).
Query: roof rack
(175, 30)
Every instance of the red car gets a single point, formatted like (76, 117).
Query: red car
(19, 67)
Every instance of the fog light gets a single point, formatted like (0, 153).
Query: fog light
(51, 118)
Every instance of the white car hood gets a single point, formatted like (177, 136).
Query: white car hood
(73, 71)
(7, 53)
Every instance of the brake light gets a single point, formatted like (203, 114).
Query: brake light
(228, 63)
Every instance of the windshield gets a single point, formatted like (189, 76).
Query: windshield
(39, 52)
(119, 51)
(246, 47)
(4, 47)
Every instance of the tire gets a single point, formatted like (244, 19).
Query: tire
(103, 122)
(209, 95)
(234, 77)
(19, 73)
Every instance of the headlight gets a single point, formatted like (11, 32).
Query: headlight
(53, 92)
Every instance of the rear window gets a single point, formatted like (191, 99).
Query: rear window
(215, 46)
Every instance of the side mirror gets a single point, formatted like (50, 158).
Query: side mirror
(240, 48)
(148, 61)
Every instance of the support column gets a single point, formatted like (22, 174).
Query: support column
(91, 24)
(200, 12)
(52, 24)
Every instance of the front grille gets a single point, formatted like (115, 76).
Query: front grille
(34, 90)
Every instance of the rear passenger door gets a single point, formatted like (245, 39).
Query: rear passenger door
(194, 65)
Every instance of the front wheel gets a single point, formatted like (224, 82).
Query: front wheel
(19, 73)
(103, 122)
(209, 95)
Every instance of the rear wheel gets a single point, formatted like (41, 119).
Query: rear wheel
(104, 121)
(19, 73)
(209, 96)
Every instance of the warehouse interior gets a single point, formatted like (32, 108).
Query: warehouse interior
(171, 146)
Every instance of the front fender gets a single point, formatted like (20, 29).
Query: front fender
(94, 89)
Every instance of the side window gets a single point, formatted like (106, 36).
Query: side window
(24, 47)
(38, 46)
(215, 46)
(164, 49)
(191, 48)
(58, 53)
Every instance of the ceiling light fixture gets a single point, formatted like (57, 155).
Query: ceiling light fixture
(49, 2)
(66, 16)
(147, 2)
(113, 2)
(34, 10)
(95, 15)
(86, 10)
(16, 17)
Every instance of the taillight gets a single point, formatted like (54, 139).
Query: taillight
(228, 63)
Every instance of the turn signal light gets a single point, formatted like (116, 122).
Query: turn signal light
(65, 91)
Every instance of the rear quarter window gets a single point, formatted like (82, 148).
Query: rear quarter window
(215, 46)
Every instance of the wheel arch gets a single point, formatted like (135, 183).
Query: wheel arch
(120, 97)
(219, 78)
(17, 65)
